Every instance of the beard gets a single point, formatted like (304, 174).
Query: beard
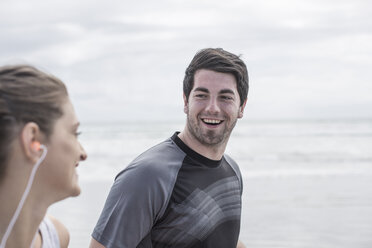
(210, 137)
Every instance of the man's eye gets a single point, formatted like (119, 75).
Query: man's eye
(77, 133)
(200, 96)
(227, 98)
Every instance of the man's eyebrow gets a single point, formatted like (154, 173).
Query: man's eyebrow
(202, 89)
(227, 91)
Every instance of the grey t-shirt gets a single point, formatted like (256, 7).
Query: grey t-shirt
(171, 196)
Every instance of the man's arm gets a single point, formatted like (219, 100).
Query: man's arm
(122, 223)
(239, 245)
(95, 244)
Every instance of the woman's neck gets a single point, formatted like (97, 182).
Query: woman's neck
(28, 221)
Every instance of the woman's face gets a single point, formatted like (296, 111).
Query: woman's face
(64, 154)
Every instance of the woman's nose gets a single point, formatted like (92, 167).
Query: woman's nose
(83, 155)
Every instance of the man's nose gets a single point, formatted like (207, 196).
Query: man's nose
(212, 106)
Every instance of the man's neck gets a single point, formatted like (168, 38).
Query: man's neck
(214, 152)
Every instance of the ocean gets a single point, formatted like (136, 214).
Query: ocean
(307, 184)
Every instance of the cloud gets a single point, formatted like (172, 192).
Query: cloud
(122, 59)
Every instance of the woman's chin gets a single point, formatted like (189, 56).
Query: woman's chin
(76, 191)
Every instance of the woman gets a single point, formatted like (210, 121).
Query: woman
(39, 153)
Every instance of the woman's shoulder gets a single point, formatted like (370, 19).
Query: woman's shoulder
(63, 234)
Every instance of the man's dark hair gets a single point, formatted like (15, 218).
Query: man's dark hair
(219, 60)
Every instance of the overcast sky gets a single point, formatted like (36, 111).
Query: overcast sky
(125, 60)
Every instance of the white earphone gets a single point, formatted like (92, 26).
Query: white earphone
(36, 146)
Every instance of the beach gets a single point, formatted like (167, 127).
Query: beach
(306, 183)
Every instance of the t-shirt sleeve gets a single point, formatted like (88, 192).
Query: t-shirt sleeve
(136, 200)
(236, 169)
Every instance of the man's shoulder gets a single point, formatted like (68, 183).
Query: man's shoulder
(162, 153)
(233, 164)
(160, 159)
(152, 174)
(230, 160)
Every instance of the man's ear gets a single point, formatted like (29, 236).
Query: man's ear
(29, 137)
(241, 109)
(185, 104)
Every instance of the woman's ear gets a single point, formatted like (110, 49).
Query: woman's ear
(29, 139)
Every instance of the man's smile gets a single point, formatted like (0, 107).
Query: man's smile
(212, 121)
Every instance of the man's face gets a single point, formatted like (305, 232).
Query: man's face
(213, 107)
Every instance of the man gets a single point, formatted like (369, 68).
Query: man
(184, 192)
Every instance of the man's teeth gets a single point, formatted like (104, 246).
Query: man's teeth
(209, 121)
